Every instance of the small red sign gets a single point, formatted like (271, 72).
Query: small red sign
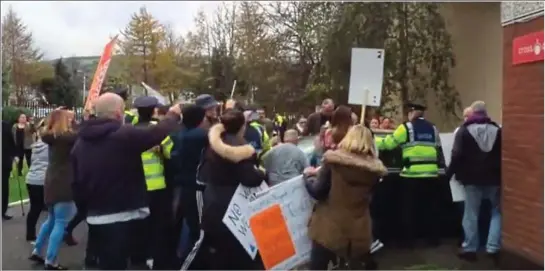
(528, 48)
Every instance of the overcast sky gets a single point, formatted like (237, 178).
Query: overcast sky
(74, 28)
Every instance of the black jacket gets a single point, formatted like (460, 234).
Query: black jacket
(476, 153)
(9, 150)
(108, 172)
(229, 162)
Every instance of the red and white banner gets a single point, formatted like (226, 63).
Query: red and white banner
(100, 73)
(528, 48)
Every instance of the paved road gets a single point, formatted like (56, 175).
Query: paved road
(15, 251)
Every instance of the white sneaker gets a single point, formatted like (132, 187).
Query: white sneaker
(33, 243)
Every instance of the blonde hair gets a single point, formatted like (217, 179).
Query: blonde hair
(358, 140)
(41, 127)
(58, 122)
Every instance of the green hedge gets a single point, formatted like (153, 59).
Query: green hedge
(11, 113)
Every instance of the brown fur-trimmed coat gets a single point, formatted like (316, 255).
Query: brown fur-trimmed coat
(342, 221)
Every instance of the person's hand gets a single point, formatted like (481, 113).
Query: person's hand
(176, 109)
(16, 160)
(229, 104)
(310, 171)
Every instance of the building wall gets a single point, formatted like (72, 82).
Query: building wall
(476, 34)
(522, 167)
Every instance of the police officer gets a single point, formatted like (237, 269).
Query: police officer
(280, 125)
(153, 160)
(261, 141)
(418, 139)
(130, 117)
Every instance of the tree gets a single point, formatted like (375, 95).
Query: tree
(172, 69)
(17, 52)
(216, 43)
(60, 89)
(140, 43)
(255, 62)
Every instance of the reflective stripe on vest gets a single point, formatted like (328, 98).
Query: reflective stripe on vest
(420, 156)
(154, 171)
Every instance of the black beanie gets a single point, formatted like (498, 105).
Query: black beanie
(192, 116)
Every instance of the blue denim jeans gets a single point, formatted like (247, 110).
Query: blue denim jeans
(474, 195)
(53, 228)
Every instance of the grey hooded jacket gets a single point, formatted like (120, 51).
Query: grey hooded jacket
(476, 153)
(39, 163)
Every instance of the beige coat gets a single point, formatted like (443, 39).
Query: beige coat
(342, 222)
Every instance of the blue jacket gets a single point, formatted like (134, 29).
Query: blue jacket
(253, 137)
(187, 154)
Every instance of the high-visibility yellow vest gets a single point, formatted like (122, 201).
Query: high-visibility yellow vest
(152, 160)
(418, 140)
(131, 118)
(265, 140)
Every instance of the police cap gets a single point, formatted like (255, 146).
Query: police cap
(415, 106)
(145, 101)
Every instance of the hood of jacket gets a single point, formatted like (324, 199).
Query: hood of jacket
(95, 129)
(227, 147)
(483, 130)
(40, 161)
(39, 147)
(352, 164)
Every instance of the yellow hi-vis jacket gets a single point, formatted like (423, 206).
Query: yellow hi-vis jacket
(418, 140)
(153, 162)
(130, 117)
(265, 140)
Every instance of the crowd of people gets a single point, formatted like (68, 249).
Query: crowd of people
(153, 186)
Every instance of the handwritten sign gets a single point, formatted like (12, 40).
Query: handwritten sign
(456, 188)
(236, 216)
(272, 235)
(295, 204)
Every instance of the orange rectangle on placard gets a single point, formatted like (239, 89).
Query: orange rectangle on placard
(272, 236)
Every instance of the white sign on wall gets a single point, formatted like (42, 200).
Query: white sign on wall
(237, 214)
(366, 76)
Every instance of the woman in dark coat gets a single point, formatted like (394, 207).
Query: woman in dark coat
(230, 161)
(58, 197)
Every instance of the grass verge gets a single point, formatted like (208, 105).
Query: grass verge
(17, 184)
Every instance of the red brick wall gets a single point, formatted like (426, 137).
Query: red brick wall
(522, 165)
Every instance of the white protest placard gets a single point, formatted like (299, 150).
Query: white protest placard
(154, 93)
(283, 240)
(456, 188)
(366, 76)
(237, 214)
